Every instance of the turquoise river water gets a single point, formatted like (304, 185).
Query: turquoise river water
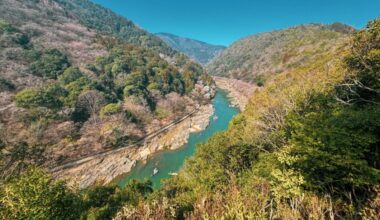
(172, 160)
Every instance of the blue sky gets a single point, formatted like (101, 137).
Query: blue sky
(225, 21)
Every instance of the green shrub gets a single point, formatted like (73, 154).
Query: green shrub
(75, 88)
(33, 98)
(110, 109)
(22, 40)
(70, 75)
(6, 27)
(49, 64)
(6, 85)
(260, 80)
(35, 195)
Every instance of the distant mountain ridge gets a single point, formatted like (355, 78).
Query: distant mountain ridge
(257, 57)
(107, 22)
(199, 51)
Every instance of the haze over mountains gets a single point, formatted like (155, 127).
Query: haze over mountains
(199, 51)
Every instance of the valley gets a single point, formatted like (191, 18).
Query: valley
(101, 119)
(104, 168)
(168, 162)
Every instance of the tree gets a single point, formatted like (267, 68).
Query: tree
(75, 88)
(33, 98)
(103, 202)
(110, 109)
(50, 64)
(20, 157)
(90, 102)
(70, 75)
(6, 85)
(331, 145)
(34, 195)
(362, 84)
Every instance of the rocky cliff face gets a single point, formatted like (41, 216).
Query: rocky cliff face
(103, 170)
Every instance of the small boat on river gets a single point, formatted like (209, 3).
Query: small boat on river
(155, 171)
(173, 174)
(215, 118)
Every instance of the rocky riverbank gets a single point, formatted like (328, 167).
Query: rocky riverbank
(104, 170)
(239, 91)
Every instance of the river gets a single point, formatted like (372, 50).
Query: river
(172, 160)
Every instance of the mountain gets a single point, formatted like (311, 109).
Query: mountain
(76, 79)
(306, 147)
(256, 57)
(63, 16)
(199, 51)
(105, 21)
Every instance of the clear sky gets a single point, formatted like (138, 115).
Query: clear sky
(225, 21)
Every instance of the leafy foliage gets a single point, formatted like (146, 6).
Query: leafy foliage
(49, 64)
(33, 98)
(70, 75)
(34, 195)
(6, 85)
(331, 146)
(110, 109)
(11, 36)
(134, 72)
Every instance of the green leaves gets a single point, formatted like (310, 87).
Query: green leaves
(110, 109)
(49, 64)
(331, 144)
(71, 74)
(34, 195)
(362, 85)
(33, 98)
(6, 85)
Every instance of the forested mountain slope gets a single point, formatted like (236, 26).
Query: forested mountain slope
(257, 57)
(199, 51)
(306, 147)
(107, 22)
(76, 79)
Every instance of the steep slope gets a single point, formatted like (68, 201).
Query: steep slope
(73, 83)
(306, 147)
(107, 22)
(199, 51)
(255, 58)
(62, 17)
